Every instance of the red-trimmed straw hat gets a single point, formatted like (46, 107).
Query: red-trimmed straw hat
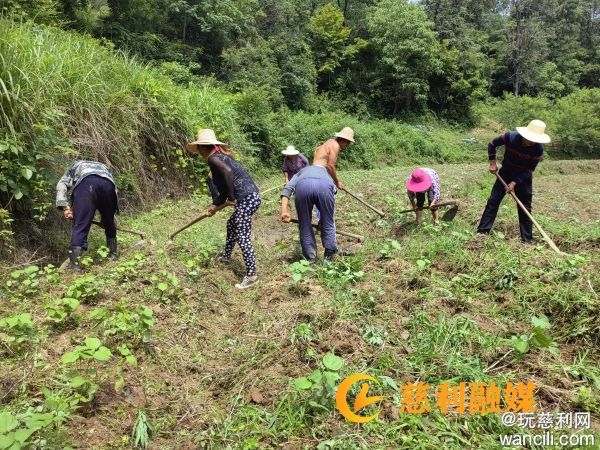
(419, 181)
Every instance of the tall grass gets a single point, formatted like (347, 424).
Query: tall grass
(65, 96)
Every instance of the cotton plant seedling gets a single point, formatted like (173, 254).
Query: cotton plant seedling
(125, 324)
(130, 269)
(24, 282)
(16, 332)
(302, 332)
(341, 272)
(166, 285)
(389, 248)
(86, 289)
(537, 337)
(62, 310)
(300, 270)
(322, 383)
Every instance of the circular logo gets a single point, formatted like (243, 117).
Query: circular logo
(361, 401)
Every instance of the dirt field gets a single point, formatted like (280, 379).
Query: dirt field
(215, 369)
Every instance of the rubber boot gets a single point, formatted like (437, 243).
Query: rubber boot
(113, 253)
(74, 255)
(330, 255)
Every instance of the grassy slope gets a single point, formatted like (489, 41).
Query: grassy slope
(214, 345)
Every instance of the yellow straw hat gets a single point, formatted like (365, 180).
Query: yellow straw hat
(206, 136)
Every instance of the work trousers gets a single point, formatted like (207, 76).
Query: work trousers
(523, 191)
(317, 192)
(93, 193)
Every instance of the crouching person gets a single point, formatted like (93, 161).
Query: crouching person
(424, 182)
(312, 186)
(91, 187)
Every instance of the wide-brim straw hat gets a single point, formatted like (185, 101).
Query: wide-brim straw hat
(419, 181)
(290, 151)
(535, 132)
(347, 133)
(206, 136)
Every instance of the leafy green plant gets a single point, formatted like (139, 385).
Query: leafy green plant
(129, 270)
(423, 263)
(373, 335)
(91, 350)
(85, 289)
(388, 249)
(341, 272)
(571, 267)
(127, 359)
(133, 325)
(506, 282)
(16, 430)
(166, 284)
(15, 331)
(322, 383)
(300, 270)
(62, 310)
(536, 338)
(142, 430)
(302, 332)
(25, 281)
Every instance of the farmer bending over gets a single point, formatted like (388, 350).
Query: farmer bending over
(326, 154)
(313, 186)
(92, 188)
(523, 151)
(234, 187)
(424, 181)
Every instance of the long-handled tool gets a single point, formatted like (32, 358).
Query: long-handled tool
(195, 221)
(204, 216)
(528, 214)
(448, 215)
(371, 207)
(124, 230)
(358, 237)
(437, 205)
(272, 189)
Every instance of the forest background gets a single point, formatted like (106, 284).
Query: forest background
(128, 82)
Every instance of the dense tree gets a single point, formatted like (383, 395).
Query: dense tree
(369, 57)
(406, 43)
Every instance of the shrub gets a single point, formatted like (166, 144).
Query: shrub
(577, 124)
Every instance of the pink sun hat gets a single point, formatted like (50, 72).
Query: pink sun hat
(419, 181)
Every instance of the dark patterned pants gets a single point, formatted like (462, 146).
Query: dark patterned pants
(239, 229)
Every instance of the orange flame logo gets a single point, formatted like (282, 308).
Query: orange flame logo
(361, 401)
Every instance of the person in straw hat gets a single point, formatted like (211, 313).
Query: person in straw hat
(293, 162)
(523, 150)
(232, 186)
(327, 153)
(421, 182)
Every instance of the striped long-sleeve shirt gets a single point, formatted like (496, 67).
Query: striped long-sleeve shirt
(519, 159)
(74, 175)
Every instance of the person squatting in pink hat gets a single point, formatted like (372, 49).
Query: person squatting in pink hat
(424, 181)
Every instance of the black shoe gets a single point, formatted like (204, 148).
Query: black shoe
(113, 253)
(330, 255)
(74, 255)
